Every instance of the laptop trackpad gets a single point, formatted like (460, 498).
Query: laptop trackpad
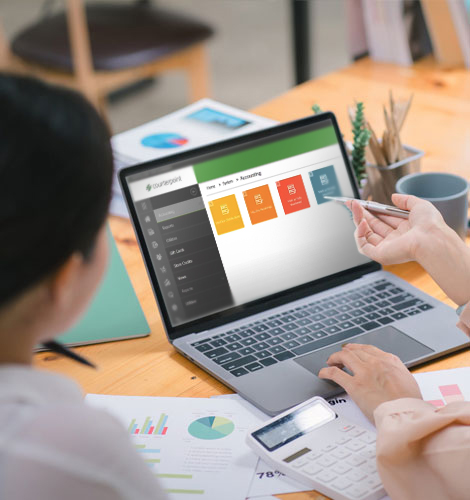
(388, 339)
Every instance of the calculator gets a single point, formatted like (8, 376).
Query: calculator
(314, 445)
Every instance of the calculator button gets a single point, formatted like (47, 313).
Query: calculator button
(347, 428)
(373, 481)
(355, 446)
(368, 438)
(369, 453)
(356, 491)
(370, 467)
(341, 468)
(312, 469)
(355, 460)
(341, 484)
(325, 476)
(356, 432)
(343, 440)
(300, 462)
(326, 461)
(341, 453)
(328, 448)
(313, 455)
(356, 475)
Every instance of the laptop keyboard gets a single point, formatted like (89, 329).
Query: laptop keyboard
(309, 327)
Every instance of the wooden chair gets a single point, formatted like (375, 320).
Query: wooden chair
(106, 46)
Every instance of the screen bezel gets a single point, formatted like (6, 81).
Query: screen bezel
(280, 298)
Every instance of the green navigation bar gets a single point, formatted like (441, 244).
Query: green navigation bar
(262, 155)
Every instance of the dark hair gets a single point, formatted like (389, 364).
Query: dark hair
(56, 172)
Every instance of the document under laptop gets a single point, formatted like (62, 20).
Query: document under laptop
(257, 275)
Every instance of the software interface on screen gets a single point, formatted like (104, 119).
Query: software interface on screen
(248, 224)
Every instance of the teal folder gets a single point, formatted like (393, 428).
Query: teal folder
(115, 312)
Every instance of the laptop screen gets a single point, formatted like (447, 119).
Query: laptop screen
(241, 224)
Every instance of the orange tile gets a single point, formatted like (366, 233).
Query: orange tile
(226, 214)
(259, 203)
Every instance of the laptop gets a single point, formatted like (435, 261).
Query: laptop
(257, 276)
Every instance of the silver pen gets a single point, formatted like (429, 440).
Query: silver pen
(373, 206)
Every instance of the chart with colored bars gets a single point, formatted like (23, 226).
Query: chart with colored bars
(148, 426)
(450, 394)
(211, 428)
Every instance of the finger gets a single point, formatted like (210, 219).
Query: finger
(337, 375)
(357, 211)
(405, 201)
(378, 225)
(345, 358)
(365, 235)
(371, 350)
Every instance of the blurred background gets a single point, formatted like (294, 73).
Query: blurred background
(254, 50)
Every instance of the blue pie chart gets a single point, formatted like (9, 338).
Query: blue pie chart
(211, 428)
(164, 141)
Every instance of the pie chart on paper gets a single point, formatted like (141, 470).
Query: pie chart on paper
(164, 141)
(211, 428)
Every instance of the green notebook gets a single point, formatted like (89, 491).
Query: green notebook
(115, 312)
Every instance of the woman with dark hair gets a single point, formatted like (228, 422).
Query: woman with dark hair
(55, 184)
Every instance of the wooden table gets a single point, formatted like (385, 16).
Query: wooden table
(438, 123)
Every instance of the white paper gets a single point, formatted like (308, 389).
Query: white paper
(129, 147)
(216, 468)
(445, 386)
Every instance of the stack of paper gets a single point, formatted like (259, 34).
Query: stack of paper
(199, 124)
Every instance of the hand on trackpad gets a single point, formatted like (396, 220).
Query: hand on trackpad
(388, 338)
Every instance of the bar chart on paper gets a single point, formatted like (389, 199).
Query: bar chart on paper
(195, 447)
(149, 427)
(443, 387)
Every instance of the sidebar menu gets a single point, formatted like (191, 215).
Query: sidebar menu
(184, 254)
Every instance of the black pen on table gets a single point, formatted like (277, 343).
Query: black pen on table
(58, 348)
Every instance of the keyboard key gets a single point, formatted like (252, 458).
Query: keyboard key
(304, 339)
(319, 335)
(263, 354)
(406, 305)
(291, 344)
(382, 304)
(400, 298)
(358, 303)
(343, 317)
(232, 338)
(238, 363)
(274, 323)
(218, 343)
(344, 309)
(246, 333)
(383, 295)
(385, 321)
(268, 361)
(288, 336)
(260, 328)
(398, 316)
(413, 312)
(246, 350)
(248, 341)
(239, 372)
(234, 346)
(330, 322)
(370, 326)
(284, 355)
(356, 475)
(316, 326)
(276, 331)
(386, 311)
(331, 312)
(253, 367)
(357, 432)
(304, 322)
(204, 347)
(332, 329)
(288, 319)
(290, 326)
(425, 307)
(275, 341)
(261, 346)
(262, 336)
(301, 314)
(225, 358)
(302, 331)
(277, 349)
(369, 309)
(345, 325)
(355, 460)
(315, 309)
(372, 316)
(216, 352)
(341, 453)
(318, 317)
